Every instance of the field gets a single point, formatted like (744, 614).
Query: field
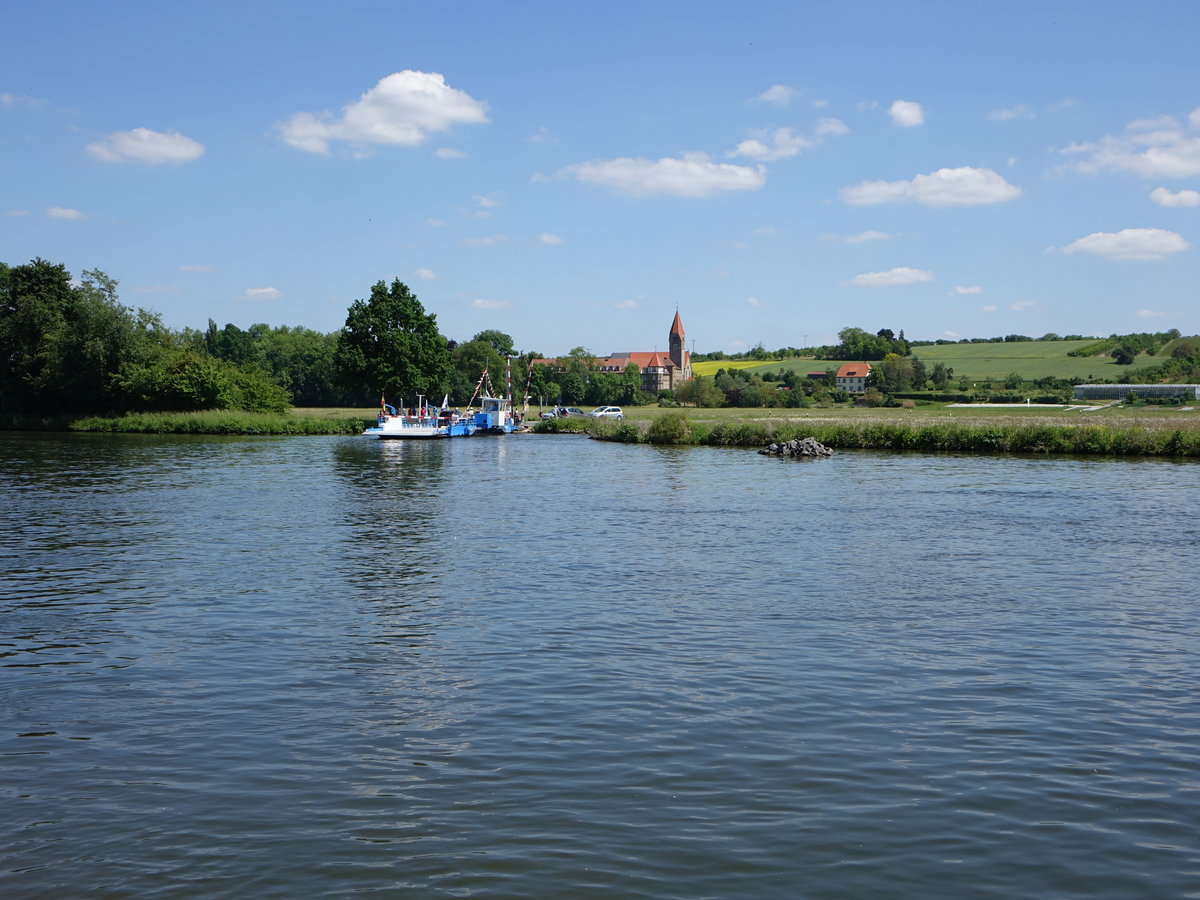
(977, 362)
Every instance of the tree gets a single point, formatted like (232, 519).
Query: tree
(501, 342)
(1124, 356)
(391, 345)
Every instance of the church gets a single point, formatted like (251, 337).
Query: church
(660, 371)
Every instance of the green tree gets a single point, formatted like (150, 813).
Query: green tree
(391, 345)
(501, 342)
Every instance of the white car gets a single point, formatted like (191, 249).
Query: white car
(607, 412)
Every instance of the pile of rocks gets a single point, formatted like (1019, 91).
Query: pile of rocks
(806, 448)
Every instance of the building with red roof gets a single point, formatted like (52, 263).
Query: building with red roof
(660, 371)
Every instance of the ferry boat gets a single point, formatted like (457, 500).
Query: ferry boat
(495, 416)
(420, 422)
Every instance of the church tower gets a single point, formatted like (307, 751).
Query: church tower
(678, 352)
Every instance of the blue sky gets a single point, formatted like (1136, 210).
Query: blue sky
(573, 173)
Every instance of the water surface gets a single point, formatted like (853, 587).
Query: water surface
(549, 667)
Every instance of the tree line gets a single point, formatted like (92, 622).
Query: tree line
(70, 346)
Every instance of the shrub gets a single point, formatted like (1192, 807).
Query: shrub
(670, 428)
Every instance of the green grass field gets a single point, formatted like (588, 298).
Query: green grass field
(977, 362)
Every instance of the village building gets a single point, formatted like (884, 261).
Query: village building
(660, 371)
(852, 377)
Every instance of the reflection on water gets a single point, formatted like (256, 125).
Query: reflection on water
(546, 667)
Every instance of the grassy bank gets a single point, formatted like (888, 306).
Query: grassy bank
(222, 422)
(1116, 437)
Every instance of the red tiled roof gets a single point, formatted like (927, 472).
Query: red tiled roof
(854, 370)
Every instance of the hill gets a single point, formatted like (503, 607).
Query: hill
(979, 362)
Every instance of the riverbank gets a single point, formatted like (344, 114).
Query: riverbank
(886, 430)
(1118, 431)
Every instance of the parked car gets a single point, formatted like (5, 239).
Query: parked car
(607, 412)
(565, 412)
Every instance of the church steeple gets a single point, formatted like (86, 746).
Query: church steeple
(675, 341)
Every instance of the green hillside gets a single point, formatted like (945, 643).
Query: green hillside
(980, 362)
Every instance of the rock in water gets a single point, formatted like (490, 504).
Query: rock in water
(801, 448)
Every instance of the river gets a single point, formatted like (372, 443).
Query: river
(548, 667)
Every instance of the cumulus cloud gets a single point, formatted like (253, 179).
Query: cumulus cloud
(831, 128)
(65, 212)
(1020, 111)
(490, 240)
(988, 308)
(1162, 197)
(1150, 314)
(753, 301)
(1152, 148)
(776, 95)
(403, 109)
(427, 274)
(267, 293)
(1022, 305)
(491, 304)
(864, 236)
(449, 153)
(973, 289)
(151, 148)
(1130, 243)
(782, 143)
(901, 275)
(550, 240)
(906, 114)
(964, 186)
(692, 175)
(779, 144)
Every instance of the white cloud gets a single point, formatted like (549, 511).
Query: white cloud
(1022, 305)
(987, 308)
(550, 240)
(831, 128)
(780, 144)
(198, 268)
(1020, 111)
(16, 212)
(267, 293)
(765, 231)
(776, 95)
(487, 202)
(65, 212)
(449, 153)
(693, 175)
(1130, 243)
(157, 289)
(1162, 197)
(946, 187)
(542, 136)
(973, 289)
(952, 334)
(625, 304)
(1150, 314)
(490, 240)
(901, 275)
(491, 304)
(9, 101)
(403, 109)
(427, 274)
(906, 114)
(1152, 148)
(863, 236)
(753, 301)
(436, 223)
(141, 145)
